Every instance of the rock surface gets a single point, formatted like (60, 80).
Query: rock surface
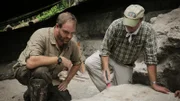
(129, 92)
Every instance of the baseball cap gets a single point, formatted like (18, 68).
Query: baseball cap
(132, 15)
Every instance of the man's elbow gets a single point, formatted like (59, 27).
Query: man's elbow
(30, 63)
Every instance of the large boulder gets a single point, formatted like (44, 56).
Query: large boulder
(129, 92)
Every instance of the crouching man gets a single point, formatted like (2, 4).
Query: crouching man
(49, 51)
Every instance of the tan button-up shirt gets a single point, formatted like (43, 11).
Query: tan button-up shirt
(42, 42)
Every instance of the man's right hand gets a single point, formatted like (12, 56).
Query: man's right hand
(160, 88)
(66, 62)
(106, 75)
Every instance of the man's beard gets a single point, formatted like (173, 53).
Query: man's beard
(63, 40)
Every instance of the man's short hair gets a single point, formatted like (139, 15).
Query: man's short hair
(64, 17)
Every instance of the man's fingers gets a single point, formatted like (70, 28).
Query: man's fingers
(177, 94)
(167, 90)
(62, 88)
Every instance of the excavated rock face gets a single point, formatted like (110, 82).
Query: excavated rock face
(167, 27)
(168, 31)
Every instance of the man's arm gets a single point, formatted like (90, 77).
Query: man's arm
(152, 77)
(36, 61)
(105, 62)
(72, 72)
(152, 74)
(105, 68)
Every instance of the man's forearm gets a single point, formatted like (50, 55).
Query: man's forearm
(72, 72)
(105, 62)
(152, 73)
(36, 61)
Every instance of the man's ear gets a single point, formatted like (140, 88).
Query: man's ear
(57, 25)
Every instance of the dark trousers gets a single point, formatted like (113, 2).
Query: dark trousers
(24, 75)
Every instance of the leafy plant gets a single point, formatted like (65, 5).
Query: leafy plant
(44, 15)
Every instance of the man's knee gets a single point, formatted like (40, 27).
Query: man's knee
(42, 73)
(88, 62)
(22, 75)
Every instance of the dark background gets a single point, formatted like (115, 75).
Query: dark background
(14, 8)
(14, 41)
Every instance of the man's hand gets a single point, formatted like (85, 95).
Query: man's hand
(160, 88)
(63, 86)
(66, 62)
(177, 94)
(106, 75)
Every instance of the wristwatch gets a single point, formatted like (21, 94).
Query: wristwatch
(153, 82)
(59, 60)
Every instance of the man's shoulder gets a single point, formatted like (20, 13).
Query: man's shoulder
(147, 25)
(39, 34)
(45, 29)
(117, 21)
(42, 31)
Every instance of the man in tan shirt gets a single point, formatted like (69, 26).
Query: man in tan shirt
(49, 51)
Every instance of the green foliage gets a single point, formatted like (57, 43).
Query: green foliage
(67, 3)
(54, 10)
(44, 15)
(47, 14)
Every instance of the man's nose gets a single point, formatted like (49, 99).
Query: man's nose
(70, 35)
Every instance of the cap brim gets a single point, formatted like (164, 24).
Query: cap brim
(130, 22)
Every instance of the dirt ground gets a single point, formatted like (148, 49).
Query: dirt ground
(81, 86)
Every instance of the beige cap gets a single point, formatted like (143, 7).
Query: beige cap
(132, 15)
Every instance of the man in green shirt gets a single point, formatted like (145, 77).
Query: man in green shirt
(49, 51)
(125, 39)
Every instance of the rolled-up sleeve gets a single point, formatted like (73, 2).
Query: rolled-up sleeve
(151, 48)
(108, 40)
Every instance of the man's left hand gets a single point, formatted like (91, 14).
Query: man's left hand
(63, 86)
(160, 89)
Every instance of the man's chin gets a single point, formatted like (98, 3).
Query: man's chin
(65, 42)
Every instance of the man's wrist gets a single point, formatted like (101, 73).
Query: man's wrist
(59, 60)
(153, 82)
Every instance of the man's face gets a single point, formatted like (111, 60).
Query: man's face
(131, 29)
(65, 33)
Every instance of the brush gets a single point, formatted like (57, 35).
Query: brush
(108, 84)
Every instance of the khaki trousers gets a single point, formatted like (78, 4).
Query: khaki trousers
(121, 74)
